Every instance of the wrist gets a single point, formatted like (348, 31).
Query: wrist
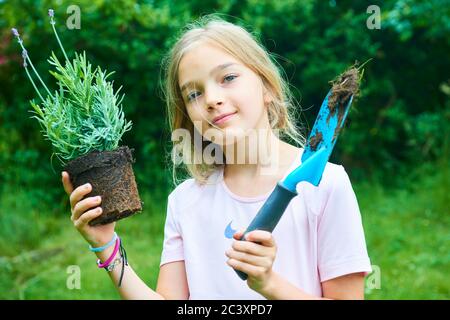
(105, 254)
(109, 258)
(269, 285)
(107, 262)
(100, 241)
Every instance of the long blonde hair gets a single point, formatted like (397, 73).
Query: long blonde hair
(239, 43)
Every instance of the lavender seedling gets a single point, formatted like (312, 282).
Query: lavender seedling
(85, 113)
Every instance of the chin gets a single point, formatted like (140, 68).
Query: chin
(224, 137)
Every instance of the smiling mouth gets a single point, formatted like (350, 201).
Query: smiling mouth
(224, 119)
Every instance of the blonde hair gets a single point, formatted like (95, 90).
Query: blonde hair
(239, 43)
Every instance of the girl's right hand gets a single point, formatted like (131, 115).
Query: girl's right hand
(85, 210)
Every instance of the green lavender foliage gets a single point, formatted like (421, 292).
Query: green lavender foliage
(85, 113)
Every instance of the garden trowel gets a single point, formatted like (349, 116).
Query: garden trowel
(316, 153)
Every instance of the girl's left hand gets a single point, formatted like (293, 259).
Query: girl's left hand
(255, 257)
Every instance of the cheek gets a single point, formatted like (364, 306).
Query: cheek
(251, 105)
(249, 95)
(197, 118)
(193, 113)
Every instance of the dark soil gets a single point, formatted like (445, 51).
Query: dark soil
(343, 88)
(111, 175)
(315, 140)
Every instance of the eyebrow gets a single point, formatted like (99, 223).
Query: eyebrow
(215, 69)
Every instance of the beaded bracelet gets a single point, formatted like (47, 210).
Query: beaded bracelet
(99, 249)
(113, 264)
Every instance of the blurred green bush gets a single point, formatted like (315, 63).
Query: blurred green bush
(402, 116)
(395, 146)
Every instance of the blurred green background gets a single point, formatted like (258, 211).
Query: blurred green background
(395, 147)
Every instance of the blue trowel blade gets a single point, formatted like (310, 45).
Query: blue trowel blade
(319, 146)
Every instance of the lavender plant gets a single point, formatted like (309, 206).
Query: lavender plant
(85, 113)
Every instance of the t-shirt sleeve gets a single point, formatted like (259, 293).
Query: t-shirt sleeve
(341, 243)
(173, 241)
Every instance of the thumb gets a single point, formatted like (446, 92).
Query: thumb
(66, 182)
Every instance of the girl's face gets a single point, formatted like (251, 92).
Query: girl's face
(224, 98)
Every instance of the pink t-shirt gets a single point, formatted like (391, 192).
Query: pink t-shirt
(319, 237)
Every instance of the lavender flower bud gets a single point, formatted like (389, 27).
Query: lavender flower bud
(25, 56)
(15, 32)
(51, 13)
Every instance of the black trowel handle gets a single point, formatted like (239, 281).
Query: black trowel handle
(269, 214)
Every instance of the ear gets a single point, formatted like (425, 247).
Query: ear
(267, 92)
(267, 96)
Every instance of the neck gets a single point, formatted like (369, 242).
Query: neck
(250, 159)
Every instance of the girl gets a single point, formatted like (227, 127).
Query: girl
(222, 88)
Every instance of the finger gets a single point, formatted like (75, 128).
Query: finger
(250, 248)
(84, 205)
(259, 261)
(238, 234)
(66, 182)
(79, 193)
(264, 238)
(250, 270)
(86, 217)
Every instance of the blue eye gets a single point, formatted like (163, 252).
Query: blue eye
(192, 95)
(227, 78)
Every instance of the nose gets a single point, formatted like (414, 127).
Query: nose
(213, 96)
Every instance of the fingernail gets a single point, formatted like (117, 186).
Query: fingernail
(87, 186)
(98, 198)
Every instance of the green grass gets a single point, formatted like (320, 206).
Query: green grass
(407, 233)
(40, 271)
